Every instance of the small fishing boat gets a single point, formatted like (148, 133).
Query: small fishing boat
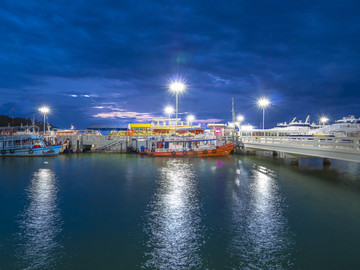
(27, 145)
(181, 147)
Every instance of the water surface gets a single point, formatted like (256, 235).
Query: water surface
(108, 211)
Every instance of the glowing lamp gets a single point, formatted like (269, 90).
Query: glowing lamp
(169, 110)
(177, 87)
(263, 102)
(44, 110)
(240, 118)
(324, 120)
(190, 118)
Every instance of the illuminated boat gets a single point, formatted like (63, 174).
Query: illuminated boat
(181, 147)
(164, 127)
(27, 146)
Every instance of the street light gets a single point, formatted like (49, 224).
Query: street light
(169, 110)
(324, 120)
(44, 110)
(190, 119)
(263, 103)
(240, 118)
(177, 88)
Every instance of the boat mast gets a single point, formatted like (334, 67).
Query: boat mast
(33, 123)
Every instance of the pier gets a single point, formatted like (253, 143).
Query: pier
(347, 149)
(94, 143)
(295, 147)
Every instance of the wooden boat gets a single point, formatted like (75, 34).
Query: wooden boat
(191, 147)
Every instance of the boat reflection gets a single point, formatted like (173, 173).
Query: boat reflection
(40, 224)
(261, 237)
(173, 225)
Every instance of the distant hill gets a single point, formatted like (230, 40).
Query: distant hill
(6, 121)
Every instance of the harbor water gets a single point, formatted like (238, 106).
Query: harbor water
(123, 211)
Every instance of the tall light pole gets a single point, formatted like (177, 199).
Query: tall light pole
(44, 110)
(263, 103)
(177, 88)
(169, 110)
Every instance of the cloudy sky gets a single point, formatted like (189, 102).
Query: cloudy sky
(112, 61)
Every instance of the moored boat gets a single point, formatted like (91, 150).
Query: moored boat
(27, 146)
(189, 147)
(345, 127)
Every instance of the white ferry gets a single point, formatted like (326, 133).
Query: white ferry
(345, 127)
(27, 145)
(294, 128)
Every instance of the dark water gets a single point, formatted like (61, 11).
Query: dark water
(130, 212)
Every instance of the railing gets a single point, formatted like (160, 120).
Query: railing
(103, 137)
(346, 143)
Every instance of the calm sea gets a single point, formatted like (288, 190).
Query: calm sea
(108, 211)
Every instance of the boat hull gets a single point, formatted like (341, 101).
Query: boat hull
(223, 150)
(33, 152)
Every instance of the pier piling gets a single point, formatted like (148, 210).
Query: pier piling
(295, 161)
(326, 162)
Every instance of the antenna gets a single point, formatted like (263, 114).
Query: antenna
(233, 111)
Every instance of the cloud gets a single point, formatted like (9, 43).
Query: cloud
(85, 54)
(122, 114)
(214, 120)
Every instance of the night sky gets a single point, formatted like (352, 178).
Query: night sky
(112, 61)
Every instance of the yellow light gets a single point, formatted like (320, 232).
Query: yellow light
(263, 102)
(44, 110)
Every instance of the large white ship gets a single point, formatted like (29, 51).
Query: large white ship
(294, 127)
(345, 127)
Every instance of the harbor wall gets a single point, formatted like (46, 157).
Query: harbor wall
(92, 143)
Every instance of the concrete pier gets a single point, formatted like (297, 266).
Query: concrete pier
(94, 143)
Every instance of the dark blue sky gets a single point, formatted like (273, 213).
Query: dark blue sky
(111, 61)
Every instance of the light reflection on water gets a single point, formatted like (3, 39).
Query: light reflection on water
(174, 220)
(40, 224)
(261, 237)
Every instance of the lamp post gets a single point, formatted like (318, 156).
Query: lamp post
(44, 110)
(177, 88)
(263, 103)
(190, 119)
(323, 120)
(240, 118)
(169, 110)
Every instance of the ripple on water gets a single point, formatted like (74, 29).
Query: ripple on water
(173, 220)
(40, 224)
(261, 238)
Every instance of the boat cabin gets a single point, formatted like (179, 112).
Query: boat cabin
(182, 145)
